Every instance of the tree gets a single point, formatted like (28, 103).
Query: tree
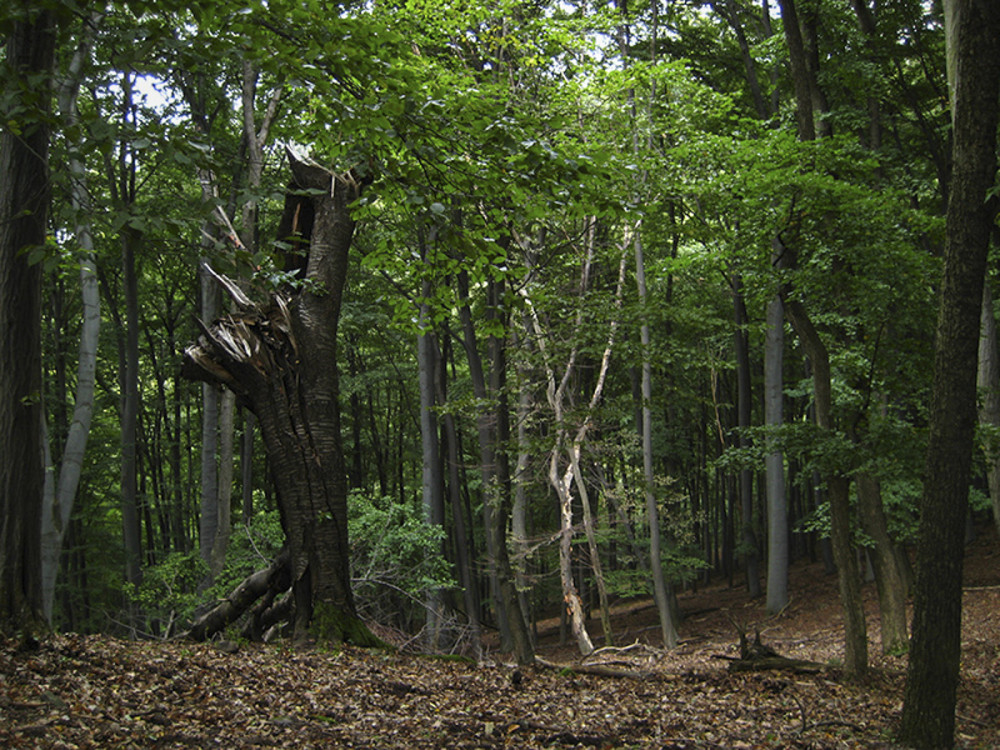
(281, 362)
(61, 487)
(928, 719)
(24, 201)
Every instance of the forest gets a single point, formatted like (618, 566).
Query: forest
(500, 335)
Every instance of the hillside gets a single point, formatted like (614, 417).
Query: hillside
(100, 692)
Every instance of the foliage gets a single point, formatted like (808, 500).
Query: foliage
(396, 557)
(169, 590)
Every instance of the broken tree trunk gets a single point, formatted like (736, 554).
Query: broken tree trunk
(281, 362)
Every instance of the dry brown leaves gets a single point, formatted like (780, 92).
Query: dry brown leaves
(98, 692)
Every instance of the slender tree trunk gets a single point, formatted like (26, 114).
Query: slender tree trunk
(928, 719)
(595, 555)
(838, 487)
(519, 511)
(209, 517)
(774, 465)
(223, 528)
(497, 350)
(24, 200)
(130, 414)
(463, 563)
(61, 487)
(662, 596)
(487, 457)
(743, 408)
(989, 384)
(888, 578)
(432, 488)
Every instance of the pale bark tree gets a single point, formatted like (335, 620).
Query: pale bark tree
(564, 456)
(61, 485)
(662, 595)
(988, 381)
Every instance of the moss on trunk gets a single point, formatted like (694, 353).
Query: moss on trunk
(330, 624)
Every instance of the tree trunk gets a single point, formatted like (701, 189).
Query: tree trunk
(988, 381)
(131, 527)
(889, 579)
(838, 487)
(487, 459)
(282, 364)
(496, 347)
(223, 524)
(463, 563)
(743, 408)
(24, 200)
(432, 487)
(661, 592)
(61, 487)
(777, 509)
(928, 719)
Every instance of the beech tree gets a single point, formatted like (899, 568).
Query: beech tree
(928, 719)
(24, 203)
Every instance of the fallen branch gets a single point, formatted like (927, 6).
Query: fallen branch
(636, 646)
(598, 670)
(277, 577)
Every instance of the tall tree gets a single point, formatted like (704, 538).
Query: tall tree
(24, 201)
(61, 485)
(928, 719)
(808, 101)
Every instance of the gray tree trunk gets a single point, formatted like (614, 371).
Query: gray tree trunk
(774, 465)
(432, 486)
(889, 580)
(989, 408)
(61, 486)
(661, 593)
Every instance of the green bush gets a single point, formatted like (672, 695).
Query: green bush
(396, 557)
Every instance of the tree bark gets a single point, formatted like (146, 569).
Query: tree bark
(131, 526)
(888, 578)
(61, 486)
(777, 507)
(281, 362)
(432, 483)
(838, 488)
(988, 380)
(24, 200)
(661, 593)
(928, 719)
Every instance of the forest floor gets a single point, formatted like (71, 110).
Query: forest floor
(99, 692)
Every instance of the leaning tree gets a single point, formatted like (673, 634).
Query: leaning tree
(280, 359)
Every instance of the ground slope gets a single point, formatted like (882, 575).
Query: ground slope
(98, 692)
